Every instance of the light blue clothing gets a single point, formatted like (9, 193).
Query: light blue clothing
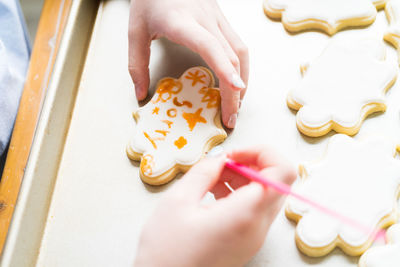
(14, 59)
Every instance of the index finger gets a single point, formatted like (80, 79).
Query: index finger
(259, 157)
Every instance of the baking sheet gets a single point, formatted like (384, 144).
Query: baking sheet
(99, 204)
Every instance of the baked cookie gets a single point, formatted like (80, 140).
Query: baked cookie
(328, 16)
(359, 179)
(339, 89)
(392, 36)
(384, 256)
(179, 124)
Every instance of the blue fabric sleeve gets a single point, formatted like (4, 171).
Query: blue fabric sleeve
(14, 59)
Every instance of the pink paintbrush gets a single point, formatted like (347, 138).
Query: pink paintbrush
(284, 189)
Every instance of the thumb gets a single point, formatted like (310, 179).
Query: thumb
(139, 56)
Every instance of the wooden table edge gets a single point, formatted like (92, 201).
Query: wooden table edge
(51, 27)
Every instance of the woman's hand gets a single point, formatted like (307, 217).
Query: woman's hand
(200, 26)
(185, 232)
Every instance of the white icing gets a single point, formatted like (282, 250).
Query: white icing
(392, 9)
(384, 256)
(393, 12)
(330, 11)
(167, 154)
(343, 79)
(358, 179)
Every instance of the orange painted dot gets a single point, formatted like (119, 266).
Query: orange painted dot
(180, 142)
(156, 110)
(172, 112)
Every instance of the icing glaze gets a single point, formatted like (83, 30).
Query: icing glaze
(342, 86)
(327, 15)
(392, 10)
(177, 125)
(359, 179)
(384, 256)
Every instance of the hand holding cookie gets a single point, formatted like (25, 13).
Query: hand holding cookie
(200, 26)
(183, 231)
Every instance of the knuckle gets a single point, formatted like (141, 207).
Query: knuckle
(245, 222)
(242, 50)
(132, 71)
(172, 27)
(235, 61)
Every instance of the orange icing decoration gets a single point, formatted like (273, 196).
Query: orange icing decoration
(162, 132)
(184, 103)
(156, 110)
(169, 123)
(147, 164)
(166, 88)
(180, 142)
(172, 112)
(195, 77)
(210, 96)
(193, 118)
(150, 139)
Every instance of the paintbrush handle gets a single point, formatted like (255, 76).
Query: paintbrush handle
(285, 189)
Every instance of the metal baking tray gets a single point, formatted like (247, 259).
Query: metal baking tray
(82, 202)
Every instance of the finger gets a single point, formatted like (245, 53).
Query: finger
(244, 204)
(201, 178)
(226, 46)
(259, 157)
(281, 173)
(230, 101)
(274, 199)
(254, 199)
(198, 39)
(239, 48)
(139, 56)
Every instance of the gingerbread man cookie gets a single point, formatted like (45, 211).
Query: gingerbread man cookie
(392, 36)
(339, 89)
(179, 124)
(359, 179)
(384, 256)
(328, 16)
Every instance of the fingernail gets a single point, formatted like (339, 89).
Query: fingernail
(237, 81)
(232, 120)
(215, 152)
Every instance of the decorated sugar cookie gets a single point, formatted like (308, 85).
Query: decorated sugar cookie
(392, 36)
(339, 89)
(384, 256)
(328, 16)
(178, 125)
(357, 178)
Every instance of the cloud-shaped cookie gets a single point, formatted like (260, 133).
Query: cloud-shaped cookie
(339, 89)
(384, 256)
(392, 10)
(179, 124)
(328, 16)
(359, 179)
